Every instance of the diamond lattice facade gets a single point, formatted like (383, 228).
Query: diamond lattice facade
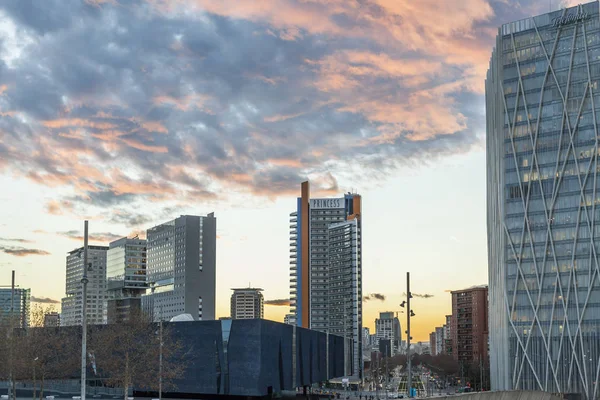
(542, 93)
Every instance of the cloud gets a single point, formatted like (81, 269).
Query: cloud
(14, 240)
(196, 101)
(374, 296)
(278, 302)
(422, 296)
(92, 236)
(44, 300)
(129, 219)
(18, 251)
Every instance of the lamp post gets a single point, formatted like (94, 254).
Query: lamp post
(409, 314)
(84, 282)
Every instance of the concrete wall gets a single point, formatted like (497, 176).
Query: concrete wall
(512, 395)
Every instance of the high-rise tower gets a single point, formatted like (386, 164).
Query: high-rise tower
(326, 267)
(181, 268)
(71, 308)
(542, 93)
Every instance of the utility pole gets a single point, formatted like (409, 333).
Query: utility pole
(345, 342)
(10, 335)
(480, 374)
(408, 315)
(84, 282)
(387, 372)
(160, 357)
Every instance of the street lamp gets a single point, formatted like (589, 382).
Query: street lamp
(84, 282)
(409, 314)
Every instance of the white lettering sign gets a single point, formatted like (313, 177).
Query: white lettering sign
(327, 203)
(570, 18)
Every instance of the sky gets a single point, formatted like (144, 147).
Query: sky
(130, 113)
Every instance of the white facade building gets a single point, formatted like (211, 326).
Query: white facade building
(20, 305)
(71, 307)
(247, 304)
(543, 216)
(387, 327)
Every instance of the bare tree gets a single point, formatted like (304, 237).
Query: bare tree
(127, 354)
(37, 353)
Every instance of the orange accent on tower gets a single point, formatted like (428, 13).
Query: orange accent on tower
(305, 237)
(355, 208)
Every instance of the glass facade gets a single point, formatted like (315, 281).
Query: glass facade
(20, 306)
(543, 203)
(126, 264)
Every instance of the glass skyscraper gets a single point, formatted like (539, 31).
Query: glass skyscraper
(542, 92)
(19, 304)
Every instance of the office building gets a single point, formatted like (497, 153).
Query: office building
(247, 304)
(543, 217)
(438, 349)
(436, 341)
(20, 304)
(126, 277)
(366, 338)
(71, 307)
(432, 342)
(51, 319)
(470, 325)
(387, 326)
(326, 267)
(181, 268)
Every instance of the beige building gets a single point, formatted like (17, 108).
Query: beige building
(247, 304)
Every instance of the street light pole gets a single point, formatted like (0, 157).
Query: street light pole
(84, 281)
(160, 359)
(10, 335)
(408, 315)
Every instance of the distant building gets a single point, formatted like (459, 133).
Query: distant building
(420, 348)
(387, 326)
(432, 342)
(247, 304)
(126, 277)
(439, 341)
(385, 347)
(470, 325)
(71, 305)
(181, 268)
(20, 305)
(51, 319)
(448, 335)
(366, 337)
(289, 319)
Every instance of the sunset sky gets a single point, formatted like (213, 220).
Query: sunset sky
(133, 112)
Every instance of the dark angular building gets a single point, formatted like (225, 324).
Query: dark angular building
(250, 358)
(256, 357)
